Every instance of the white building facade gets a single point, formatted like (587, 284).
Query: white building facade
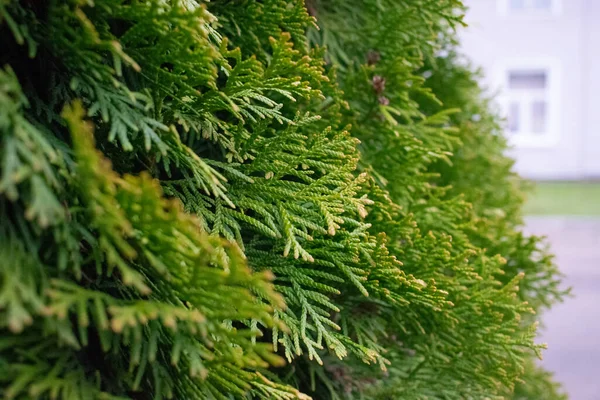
(542, 58)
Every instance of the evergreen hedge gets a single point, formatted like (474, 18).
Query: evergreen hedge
(258, 199)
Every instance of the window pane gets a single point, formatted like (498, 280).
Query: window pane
(527, 80)
(538, 117)
(542, 4)
(513, 117)
(517, 4)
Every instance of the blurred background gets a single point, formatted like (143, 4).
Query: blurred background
(541, 61)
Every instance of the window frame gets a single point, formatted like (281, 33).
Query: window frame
(503, 6)
(552, 69)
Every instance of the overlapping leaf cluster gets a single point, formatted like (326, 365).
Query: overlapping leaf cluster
(284, 185)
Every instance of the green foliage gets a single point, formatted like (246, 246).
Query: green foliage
(194, 195)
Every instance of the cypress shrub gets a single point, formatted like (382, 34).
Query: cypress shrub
(258, 199)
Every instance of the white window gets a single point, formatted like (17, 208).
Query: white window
(527, 94)
(529, 8)
(530, 102)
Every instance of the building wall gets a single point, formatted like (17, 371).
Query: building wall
(591, 74)
(567, 41)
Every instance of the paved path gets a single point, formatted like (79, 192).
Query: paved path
(572, 329)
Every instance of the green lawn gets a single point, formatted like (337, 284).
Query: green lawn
(564, 198)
